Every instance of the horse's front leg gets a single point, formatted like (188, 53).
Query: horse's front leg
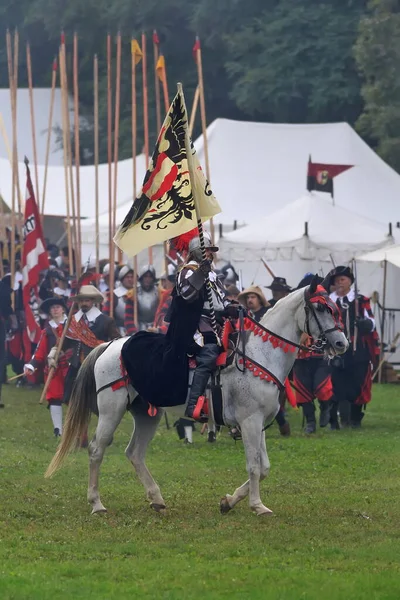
(257, 467)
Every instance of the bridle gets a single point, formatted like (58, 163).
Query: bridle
(320, 301)
(315, 302)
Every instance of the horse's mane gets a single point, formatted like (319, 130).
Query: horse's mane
(291, 300)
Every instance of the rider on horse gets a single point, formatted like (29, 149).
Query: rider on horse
(191, 286)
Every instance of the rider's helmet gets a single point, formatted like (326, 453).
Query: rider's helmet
(195, 249)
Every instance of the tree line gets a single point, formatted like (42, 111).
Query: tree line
(264, 60)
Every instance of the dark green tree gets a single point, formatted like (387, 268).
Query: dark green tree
(377, 53)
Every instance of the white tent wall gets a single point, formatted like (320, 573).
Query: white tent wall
(41, 102)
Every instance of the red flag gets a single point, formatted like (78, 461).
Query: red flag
(196, 47)
(156, 39)
(34, 257)
(320, 176)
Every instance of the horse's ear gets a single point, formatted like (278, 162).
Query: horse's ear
(326, 283)
(313, 284)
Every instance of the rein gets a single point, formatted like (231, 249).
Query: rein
(247, 323)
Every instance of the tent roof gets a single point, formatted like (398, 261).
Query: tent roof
(258, 167)
(328, 226)
(391, 254)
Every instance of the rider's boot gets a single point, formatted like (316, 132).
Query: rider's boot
(309, 415)
(206, 359)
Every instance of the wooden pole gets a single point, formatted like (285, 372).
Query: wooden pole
(52, 370)
(20, 201)
(134, 153)
(109, 158)
(10, 159)
(77, 148)
(145, 101)
(69, 161)
(49, 130)
(157, 81)
(14, 166)
(383, 314)
(134, 118)
(96, 154)
(146, 116)
(32, 109)
(166, 106)
(65, 152)
(194, 110)
(204, 122)
(116, 129)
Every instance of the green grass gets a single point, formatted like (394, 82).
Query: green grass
(335, 532)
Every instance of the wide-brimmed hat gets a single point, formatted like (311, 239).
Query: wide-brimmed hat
(253, 289)
(279, 285)
(89, 291)
(307, 279)
(340, 270)
(49, 303)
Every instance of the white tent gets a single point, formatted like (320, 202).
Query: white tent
(306, 235)
(255, 168)
(41, 102)
(391, 254)
(258, 167)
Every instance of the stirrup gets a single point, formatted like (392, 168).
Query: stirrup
(200, 411)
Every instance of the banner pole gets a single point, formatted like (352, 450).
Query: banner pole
(191, 168)
(32, 110)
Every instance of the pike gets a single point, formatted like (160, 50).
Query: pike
(266, 265)
(356, 306)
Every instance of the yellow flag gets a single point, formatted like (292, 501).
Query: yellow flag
(136, 51)
(165, 206)
(160, 68)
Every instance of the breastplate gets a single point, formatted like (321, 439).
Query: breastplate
(120, 311)
(147, 305)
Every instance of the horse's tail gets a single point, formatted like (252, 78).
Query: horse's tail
(81, 404)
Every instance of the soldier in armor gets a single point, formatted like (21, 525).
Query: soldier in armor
(121, 293)
(44, 358)
(351, 373)
(148, 297)
(190, 286)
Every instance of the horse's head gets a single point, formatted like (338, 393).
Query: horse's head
(323, 322)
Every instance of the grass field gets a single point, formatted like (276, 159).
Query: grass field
(335, 532)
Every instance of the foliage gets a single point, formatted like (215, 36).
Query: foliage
(270, 60)
(378, 56)
(334, 532)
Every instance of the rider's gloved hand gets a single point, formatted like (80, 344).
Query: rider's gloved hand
(232, 311)
(205, 266)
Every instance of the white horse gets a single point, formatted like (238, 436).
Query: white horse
(249, 401)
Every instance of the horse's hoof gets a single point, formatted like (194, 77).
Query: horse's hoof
(211, 437)
(262, 511)
(98, 510)
(159, 508)
(224, 506)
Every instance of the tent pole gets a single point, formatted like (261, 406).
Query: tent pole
(383, 314)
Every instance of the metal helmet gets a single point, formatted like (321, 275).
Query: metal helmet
(195, 248)
(147, 269)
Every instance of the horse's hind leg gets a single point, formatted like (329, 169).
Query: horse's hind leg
(112, 406)
(145, 428)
